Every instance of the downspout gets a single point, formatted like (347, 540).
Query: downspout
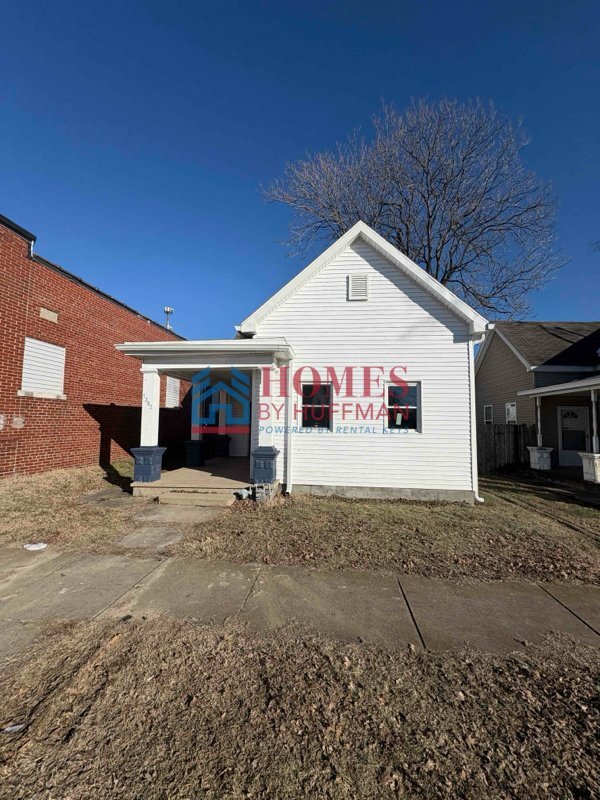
(474, 469)
(288, 433)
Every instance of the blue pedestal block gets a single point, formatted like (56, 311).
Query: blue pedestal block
(264, 464)
(148, 463)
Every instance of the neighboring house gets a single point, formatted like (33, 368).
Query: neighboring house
(363, 312)
(67, 397)
(545, 374)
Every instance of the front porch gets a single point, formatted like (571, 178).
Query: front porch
(565, 436)
(227, 448)
(219, 475)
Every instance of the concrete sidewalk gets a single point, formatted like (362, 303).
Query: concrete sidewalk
(388, 610)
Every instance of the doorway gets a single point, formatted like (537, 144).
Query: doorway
(573, 435)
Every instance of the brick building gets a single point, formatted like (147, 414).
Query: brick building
(67, 397)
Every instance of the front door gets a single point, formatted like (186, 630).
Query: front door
(573, 435)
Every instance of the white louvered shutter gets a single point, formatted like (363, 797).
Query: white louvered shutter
(43, 368)
(358, 287)
(172, 393)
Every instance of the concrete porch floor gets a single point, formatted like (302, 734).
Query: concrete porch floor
(218, 474)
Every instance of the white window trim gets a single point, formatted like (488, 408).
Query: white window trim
(331, 404)
(489, 421)
(408, 431)
(508, 422)
(41, 395)
(36, 393)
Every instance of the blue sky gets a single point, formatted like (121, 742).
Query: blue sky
(135, 136)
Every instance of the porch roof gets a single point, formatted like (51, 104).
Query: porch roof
(569, 387)
(193, 354)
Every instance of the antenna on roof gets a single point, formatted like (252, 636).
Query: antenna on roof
(168, 312)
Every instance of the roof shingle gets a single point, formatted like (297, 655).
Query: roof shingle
(574, 344)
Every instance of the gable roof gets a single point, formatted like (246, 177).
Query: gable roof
(573, 344)
(477, 323)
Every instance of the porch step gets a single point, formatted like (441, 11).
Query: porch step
(196, 498)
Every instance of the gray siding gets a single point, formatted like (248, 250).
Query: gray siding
(542, 378)
(498, 380)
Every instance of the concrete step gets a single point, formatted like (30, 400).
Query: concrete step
(196, 498)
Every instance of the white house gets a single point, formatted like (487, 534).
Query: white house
(360, 376)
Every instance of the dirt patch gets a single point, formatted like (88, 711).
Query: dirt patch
(166, 709)
(494, 541)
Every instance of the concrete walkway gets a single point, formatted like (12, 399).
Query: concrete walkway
(388, 610)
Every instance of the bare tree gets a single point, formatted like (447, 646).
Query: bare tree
(446, 184)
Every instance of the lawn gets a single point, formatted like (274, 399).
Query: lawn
(494, 541)
(47, 507)
(164, 708)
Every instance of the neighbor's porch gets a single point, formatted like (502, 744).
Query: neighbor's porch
(567, 427)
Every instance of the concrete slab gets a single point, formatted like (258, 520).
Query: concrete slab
(111, 497)
(156, 536)
(206, 591)
(40, 567)
(16, 636)
(496, 617)
(581, 600)
(347, 606)
(13, 557)
(81, 588)
(185, 515)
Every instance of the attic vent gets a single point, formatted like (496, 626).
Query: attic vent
(358, 287)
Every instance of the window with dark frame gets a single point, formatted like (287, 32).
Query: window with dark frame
(404, 407)
(488, 415)
(316, 405)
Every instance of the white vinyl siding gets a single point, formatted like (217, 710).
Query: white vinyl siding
(402, 324)
(43, 369)
(172, 393)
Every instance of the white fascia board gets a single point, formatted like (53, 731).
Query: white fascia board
(277, 347)
(477, 323)
(570, 387)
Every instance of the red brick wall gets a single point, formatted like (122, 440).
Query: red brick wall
(100, 419)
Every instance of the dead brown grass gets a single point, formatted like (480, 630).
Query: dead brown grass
(496, 541)
(47, 507)
(165, 709)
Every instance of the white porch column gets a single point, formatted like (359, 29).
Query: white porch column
(150, 406)
(539, 457)
(595, 438)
